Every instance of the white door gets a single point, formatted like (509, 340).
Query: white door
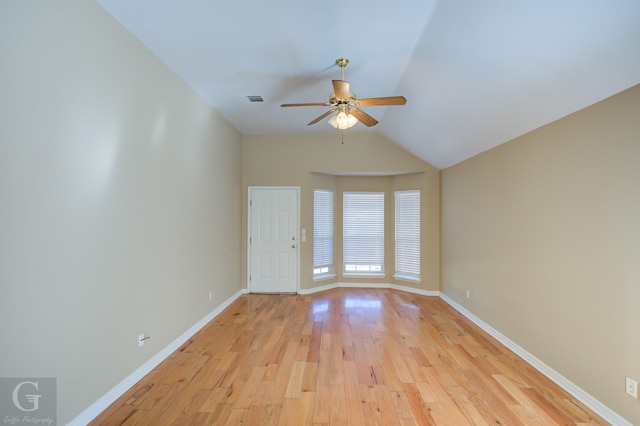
(273, 240)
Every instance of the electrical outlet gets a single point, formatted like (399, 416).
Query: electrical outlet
(141, 340)
(210, 296)
(467, 294)
(632, 387)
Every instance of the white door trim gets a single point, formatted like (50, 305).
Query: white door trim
(297, 255)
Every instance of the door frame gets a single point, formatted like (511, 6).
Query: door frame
(250, 190)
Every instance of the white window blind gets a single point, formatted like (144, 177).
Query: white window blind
(322, 232)
(363, 233)
(407, 211)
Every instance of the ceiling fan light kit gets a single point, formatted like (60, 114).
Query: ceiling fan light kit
(346, 105)
(343, 121)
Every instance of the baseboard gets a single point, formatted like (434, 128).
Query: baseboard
(369, 285)
(117, 391)
(599, 408)
(317, 289)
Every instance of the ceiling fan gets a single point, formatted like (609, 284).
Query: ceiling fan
(348, 105)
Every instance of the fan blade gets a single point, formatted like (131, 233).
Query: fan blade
(389, 100)
(341, 89)
(364, 118)
(307, 104)
(322, 116)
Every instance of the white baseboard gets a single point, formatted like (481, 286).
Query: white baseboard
(415, 290)
(117, 391)
(317, 289)
(370, 285)
(599, 408)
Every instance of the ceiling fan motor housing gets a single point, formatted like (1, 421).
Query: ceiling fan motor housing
(334, 101)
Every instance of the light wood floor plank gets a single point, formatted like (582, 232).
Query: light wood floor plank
(305, 409)
(294, 386)
(289, 412)
(344, 357)
(352, 394)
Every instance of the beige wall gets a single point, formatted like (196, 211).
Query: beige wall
(544, 233)
(315, 161)
(119, 200)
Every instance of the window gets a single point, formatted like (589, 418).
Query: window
(322, 233)
(408, 234)
(363, 233)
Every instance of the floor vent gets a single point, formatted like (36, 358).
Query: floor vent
(255, 99)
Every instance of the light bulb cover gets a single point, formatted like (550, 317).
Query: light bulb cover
(342, 120)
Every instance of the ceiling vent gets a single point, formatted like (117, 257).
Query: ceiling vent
(255, 99)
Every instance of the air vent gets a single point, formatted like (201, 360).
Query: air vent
(255, 99)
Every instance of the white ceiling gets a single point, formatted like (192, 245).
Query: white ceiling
(475, 73)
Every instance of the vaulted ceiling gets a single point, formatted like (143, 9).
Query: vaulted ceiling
(475, 73)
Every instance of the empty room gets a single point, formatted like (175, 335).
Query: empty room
(394, 213)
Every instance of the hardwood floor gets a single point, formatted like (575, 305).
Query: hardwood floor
(344, 356)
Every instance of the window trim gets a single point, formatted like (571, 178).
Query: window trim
(408, 222)
(326, 227)
(351, 225)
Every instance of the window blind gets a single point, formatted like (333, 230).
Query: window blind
(322, 231)
(407, 224)
(363, 232)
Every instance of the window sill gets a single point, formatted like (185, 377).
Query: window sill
(363, 274)
(410, 278)
(323, 277)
